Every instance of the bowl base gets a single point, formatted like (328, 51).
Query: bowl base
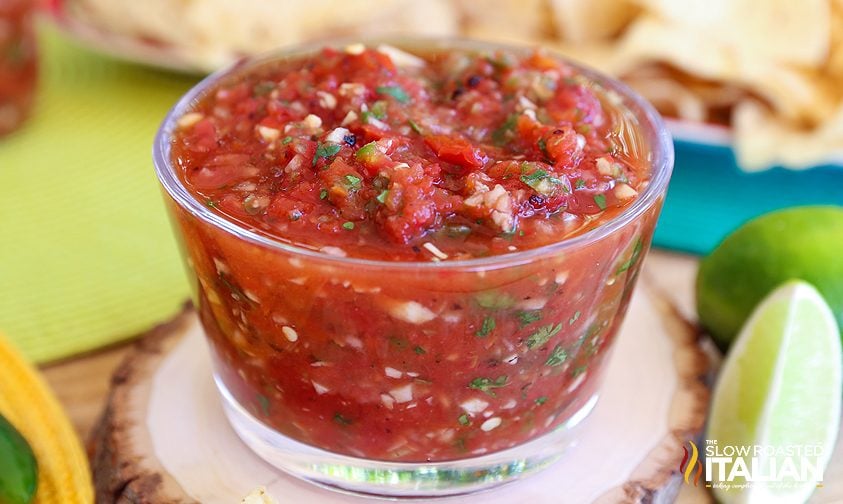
(400, 479)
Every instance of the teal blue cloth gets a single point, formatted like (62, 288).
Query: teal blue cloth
(709, 196)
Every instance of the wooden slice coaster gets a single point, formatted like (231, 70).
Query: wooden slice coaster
(164, 437)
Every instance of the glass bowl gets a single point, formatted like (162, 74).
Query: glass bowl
(411, 379)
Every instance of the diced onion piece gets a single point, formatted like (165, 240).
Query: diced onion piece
(290, 334)
(474, 406)
(189, 119)
(490, 424)
(402, 394)
(401, 58)
(433, 249)
(532, 304)
(625, 191)
(312, 121)
(269, 134)
(333, 251)
(387, 401)
(392, 372)
(349, 118)
(327, 100)
(411, 311)
(319, 388)
(337, 136)
(604, 166)
(561, 277)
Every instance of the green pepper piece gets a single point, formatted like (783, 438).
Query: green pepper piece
(18, 469)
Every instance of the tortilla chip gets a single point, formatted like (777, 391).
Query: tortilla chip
(518, 20)
(581, 21)
(763, 139)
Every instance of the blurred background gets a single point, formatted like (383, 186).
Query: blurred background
(752, 89)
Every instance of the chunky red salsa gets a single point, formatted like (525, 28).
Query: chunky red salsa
(385, 155)
(380, 154)
(18, 62)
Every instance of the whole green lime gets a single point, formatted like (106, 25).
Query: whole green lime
(804, 243)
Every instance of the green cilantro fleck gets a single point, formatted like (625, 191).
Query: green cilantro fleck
(382, 196)
(263, 402)
(543, 335)
(578, 371)
(557, 356)
(396, 92)
(419, 350)
(287, 140)
(379, 109)
(574, 317)
(600, 200)
(487, 327)
(323, 194)
(415, 126)
(353, 181)
(210, 203)
(500, 135)
(526, 318)
(542, 143)
(338, 418)
(541, 400)
(579, 184)
(348, 225)
(325, 151)
(487, 384)
(464, 420)
(492, 300)
(263, 88)
(535, 179)
(636, 253)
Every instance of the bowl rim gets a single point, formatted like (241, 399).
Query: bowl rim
(660, 153)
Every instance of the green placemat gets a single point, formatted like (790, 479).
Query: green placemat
(87, 256)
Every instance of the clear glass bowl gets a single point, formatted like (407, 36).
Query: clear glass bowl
(369, 376)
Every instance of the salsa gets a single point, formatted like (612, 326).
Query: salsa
(385, 155)
(414, 161)
(18, 62)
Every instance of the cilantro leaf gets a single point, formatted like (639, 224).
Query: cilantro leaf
(557, 357)
(526, 318)
(396, 92)
(325, 150)
(487, 327)
(537, 178)
(500, 135)
(487, 384)
(636, 253)
(543, 335)
(353, 181)
(600, 201)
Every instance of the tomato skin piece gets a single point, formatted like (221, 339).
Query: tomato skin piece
(455, 150)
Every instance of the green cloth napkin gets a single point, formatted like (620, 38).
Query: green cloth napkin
(87, 256)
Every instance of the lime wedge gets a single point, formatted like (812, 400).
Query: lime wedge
(777, 399)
